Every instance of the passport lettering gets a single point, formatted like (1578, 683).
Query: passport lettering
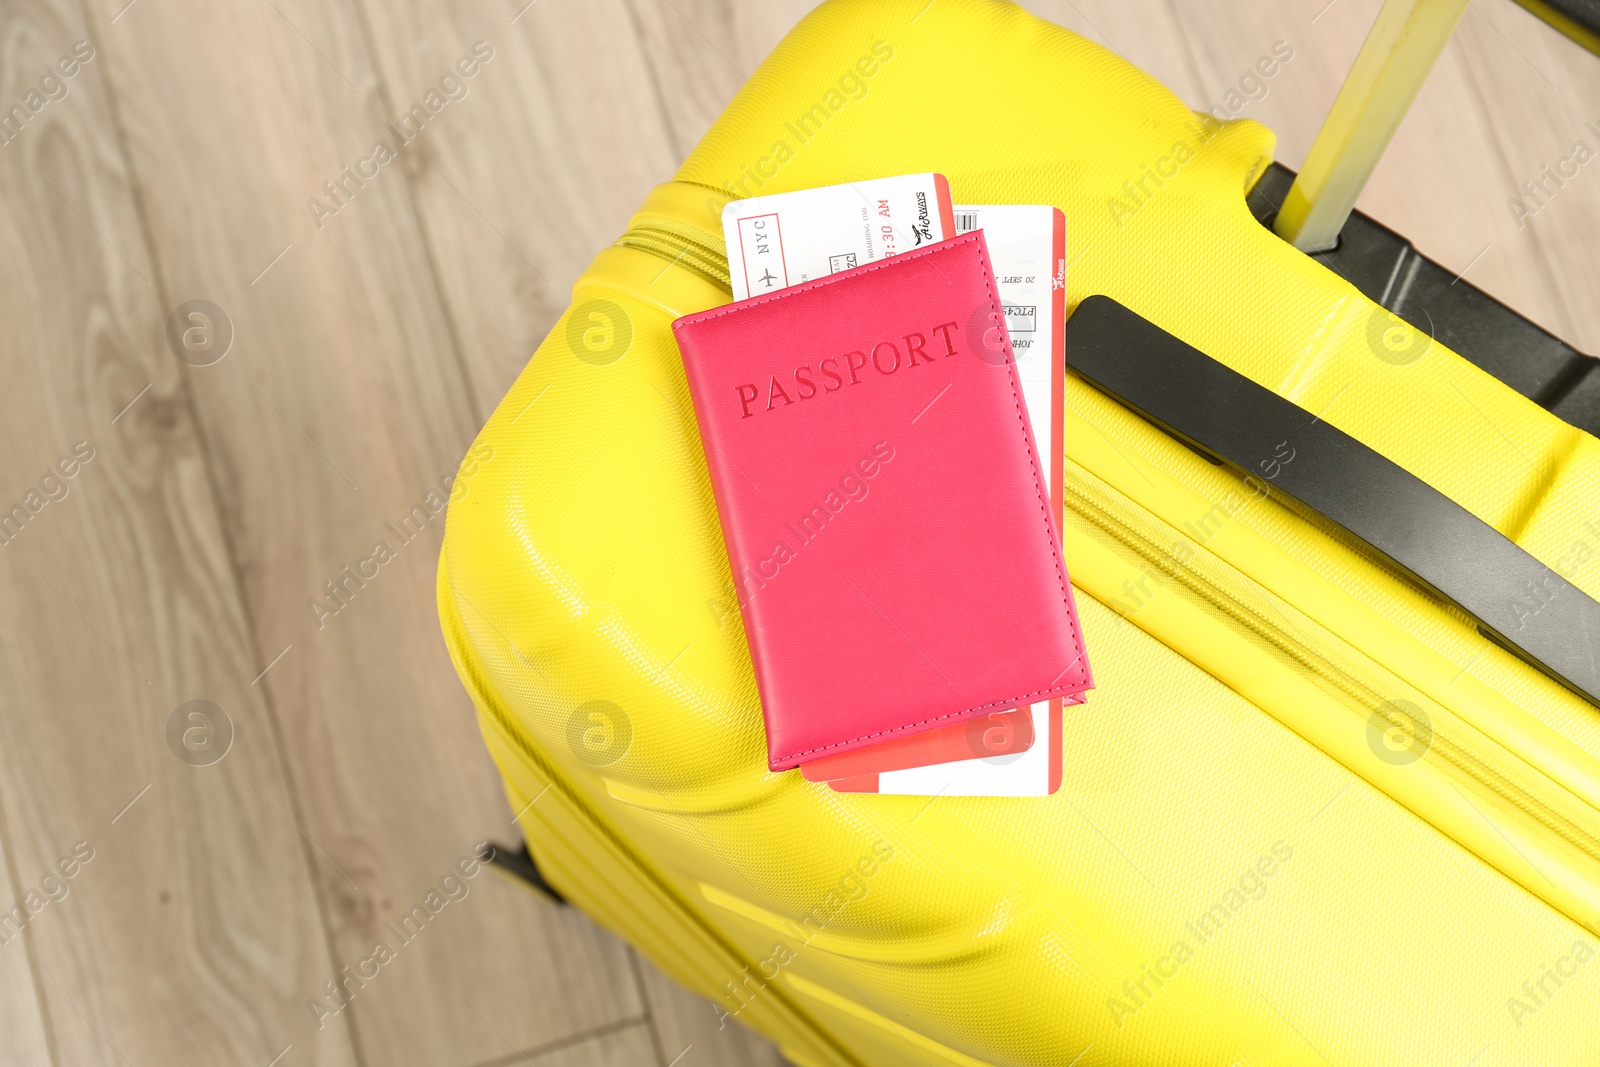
(838, 372)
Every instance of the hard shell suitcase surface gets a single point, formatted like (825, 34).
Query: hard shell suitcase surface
(1309, 814)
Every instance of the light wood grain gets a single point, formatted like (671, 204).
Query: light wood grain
(23, 1036)
(628, 1046)
(538, 167)
(688, 1026)
(342, 406)
(701, 52)
(120, 604)
(1541, 95)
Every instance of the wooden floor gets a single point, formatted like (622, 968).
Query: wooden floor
(206, 505)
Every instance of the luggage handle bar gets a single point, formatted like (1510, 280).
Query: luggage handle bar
(1405, 41)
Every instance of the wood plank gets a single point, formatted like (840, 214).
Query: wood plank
(701, 52)
(1541, 93)
(1440, 183)
(688, 1026)
(628, 1046)
(339, 410)
(23, 1033)
(538, 167)
(158, 891)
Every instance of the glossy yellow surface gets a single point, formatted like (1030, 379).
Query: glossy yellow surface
(1243, 864)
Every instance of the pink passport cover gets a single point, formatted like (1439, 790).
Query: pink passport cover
(896, 561)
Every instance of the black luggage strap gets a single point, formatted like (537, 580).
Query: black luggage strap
(1517, 601)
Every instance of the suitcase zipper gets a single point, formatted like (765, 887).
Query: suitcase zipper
(1366, 687)
(683, 244)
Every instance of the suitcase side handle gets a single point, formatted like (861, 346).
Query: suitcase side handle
(1414, 527)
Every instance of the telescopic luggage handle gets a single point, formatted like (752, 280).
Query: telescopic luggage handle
(1313, 211)
(1400, 50)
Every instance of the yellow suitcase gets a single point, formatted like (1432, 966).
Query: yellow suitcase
(1310, 815)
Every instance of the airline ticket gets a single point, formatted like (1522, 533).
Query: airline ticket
(781, 240)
